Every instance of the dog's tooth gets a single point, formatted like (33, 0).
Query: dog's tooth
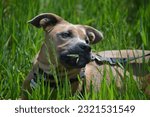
(77, 60)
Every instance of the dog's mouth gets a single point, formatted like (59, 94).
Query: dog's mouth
(75, 60)
(74, 57)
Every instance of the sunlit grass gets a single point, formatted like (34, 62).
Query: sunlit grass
(125, 25)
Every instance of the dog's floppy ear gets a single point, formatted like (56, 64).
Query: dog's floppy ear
(45, 19)
(93, 34)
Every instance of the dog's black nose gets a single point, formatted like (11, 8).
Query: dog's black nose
(85, 47)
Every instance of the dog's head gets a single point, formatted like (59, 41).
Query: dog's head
(71, 42)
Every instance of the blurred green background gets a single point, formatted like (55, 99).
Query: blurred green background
(124, 23)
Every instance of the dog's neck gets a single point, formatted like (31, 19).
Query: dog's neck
(52, 69)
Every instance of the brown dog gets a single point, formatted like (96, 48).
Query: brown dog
(66, 49)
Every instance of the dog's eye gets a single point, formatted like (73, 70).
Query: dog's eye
(65, 34)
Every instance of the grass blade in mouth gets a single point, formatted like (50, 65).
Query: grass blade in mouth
(73, 55)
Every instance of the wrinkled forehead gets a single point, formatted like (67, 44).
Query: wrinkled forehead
(75, 29)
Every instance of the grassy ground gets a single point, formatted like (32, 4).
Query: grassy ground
(125, 25)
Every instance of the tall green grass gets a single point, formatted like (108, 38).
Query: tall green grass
(124, 23)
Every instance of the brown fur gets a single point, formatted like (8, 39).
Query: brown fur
(54, 45)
